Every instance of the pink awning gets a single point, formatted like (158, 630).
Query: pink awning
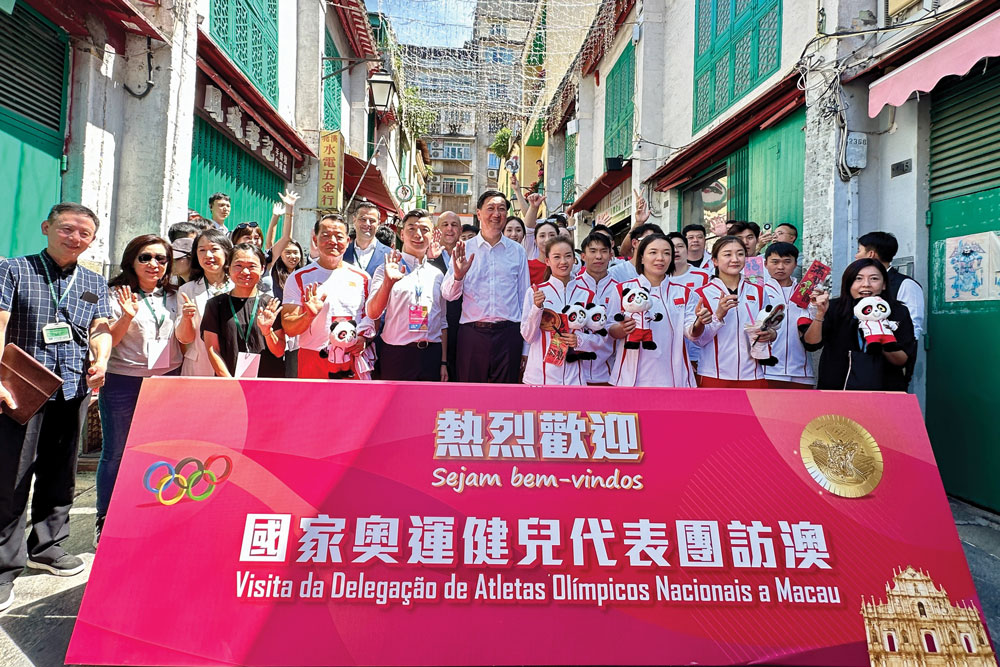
(956, 56)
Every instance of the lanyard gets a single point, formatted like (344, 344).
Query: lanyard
(157, 320)
(417, 288)
(57, 300)
(253, 319)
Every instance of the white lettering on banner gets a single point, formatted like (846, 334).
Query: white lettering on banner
(213, 103)
(486, 541)
(543, 436)
(253, 135)
(265, 538)
(267, 148)
(699, 544)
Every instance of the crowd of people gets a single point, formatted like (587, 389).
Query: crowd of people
(510, 299)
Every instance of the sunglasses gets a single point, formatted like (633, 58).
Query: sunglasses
(246, 225)
(146, 258)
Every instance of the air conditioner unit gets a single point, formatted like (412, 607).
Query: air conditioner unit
(436, 155)
(436, 143)
(436, 188)
(436, 178)
(492, 173)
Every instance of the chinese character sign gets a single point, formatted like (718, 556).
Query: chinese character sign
(513, 525)
(331, 171)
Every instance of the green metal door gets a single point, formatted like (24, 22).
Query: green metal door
(219, 165)
(32, 123)
(777, 173)
(964, 293)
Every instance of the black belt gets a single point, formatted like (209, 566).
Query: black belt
(420, 344)
(502, 324)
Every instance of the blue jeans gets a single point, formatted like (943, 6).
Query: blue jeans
(116, 401)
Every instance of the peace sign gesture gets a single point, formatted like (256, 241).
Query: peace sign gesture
(459, 262)
(393, 266)
(267, 315)
(128, 301)
(313, 299)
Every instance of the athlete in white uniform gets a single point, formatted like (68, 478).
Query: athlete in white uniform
(794, 368)
(690, 277)
(723, 308)
(666, 364)
(561, 290)
(595, 277)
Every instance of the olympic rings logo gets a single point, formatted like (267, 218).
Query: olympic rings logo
(187, 482)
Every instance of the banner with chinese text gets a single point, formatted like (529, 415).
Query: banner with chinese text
(266, 522)
(331, 171)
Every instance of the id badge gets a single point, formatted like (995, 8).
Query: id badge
(57, 332)
(158, 354)
(247, 364)
(418, 318)
(556, 354)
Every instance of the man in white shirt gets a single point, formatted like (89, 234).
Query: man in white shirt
(326, 291)
(595, 277)
(490, 273)
(407, 289)
(366, 252)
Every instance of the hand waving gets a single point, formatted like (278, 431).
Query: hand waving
(641, 208)
(394, 266)
(287, 203)
(129, 302)
(434, 248)
(313, 299)
(535, 200)
(459, 262)
(267, 314)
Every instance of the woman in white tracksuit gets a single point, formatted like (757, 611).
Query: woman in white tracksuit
(650, 350)
(565, 299)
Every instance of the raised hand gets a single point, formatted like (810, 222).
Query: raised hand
(289, 198)
(820, 299)
(535, 200)
(459, 262)
(313, 299)
(603, 219)
(703, 313)
(513, 180)
(189, 309)
(129, 302)
(434, 248)
(764, 240)
(278, 210)
(719, 228)
(393, 266)
(641, 208)
(726, 304)
(538, 296)
(267, 314)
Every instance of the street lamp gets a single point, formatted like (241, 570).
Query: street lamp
(383, 91)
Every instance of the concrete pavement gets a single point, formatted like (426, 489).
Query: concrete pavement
(36, 630)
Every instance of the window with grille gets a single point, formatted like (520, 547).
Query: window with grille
(453, 151)
(619, 105)
(248, 31)
(569, 171)
(332, 86)
(737, 45)
(455, 186)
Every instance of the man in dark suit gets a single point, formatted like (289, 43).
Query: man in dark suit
(366, 252)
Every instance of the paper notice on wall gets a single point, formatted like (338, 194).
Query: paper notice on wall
(969, 268)
(993, 277)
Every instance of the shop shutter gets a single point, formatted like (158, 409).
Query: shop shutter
(332, 86)
(219, 165)
(965, 143)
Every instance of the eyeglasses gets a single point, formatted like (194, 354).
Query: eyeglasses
(146, 258)
(246, 225)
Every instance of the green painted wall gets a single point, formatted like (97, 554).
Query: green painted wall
(777, 173)
(219, 165)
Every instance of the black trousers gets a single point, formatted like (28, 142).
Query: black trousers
(45, 448)
(453, 315)
(489, 354)
(409, 362)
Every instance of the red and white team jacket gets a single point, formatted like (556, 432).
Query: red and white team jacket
(794, 363)
(557, 295)
(668, 365)
(692, 279)
(606, 294)
(725, 346)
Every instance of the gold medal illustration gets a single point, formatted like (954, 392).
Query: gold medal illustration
(841, 456)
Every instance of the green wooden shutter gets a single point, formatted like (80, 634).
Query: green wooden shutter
(332, 87)
(219, 165)
(965, 144)
(32, 125)
(777, 173)
(619, 105)
(738, 184)
(737, 45)
(248, 31)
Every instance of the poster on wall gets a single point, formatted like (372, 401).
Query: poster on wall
(972, 268)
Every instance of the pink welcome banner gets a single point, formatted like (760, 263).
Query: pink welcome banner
(311, 523)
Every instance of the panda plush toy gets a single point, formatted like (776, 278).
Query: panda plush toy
(874, 324)
(768, 319)
(343, 334)
(597, 319)
(635, 305)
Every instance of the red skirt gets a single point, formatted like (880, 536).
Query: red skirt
(714, 383)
